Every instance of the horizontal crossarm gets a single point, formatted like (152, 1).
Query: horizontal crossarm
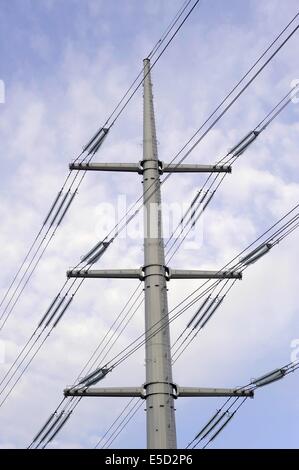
(126, 167)
(139, 274)
(106, 392)
(163, 167)
(213, 392)
(107, 273)
(193, 168)
(141, 392)
(198, 274)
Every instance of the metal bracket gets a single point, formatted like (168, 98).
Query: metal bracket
(141, 392)
(198, 274)
(162, 167)
(140, 273)
(107, 273)
(213, 392)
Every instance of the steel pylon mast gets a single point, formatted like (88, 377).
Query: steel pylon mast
(161, 432)
(159, 390)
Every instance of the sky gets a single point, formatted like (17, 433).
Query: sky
(64, 66)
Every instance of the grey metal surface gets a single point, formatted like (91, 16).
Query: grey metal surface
(164, 167)
(159, 391)
(194, 168)
(161, 429)
(124, 167)
(198, 274)
(212, 392)
(106, 392)
(107, 273)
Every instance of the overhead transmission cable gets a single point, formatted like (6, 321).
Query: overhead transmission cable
(215, 121)
(123, 355)
(252, 79)
(123, 423)
(71, 403)
(270, 237)
(242, 402)
(223, 416)
(228, 281)
(204, 196)
(136, 207)
(116, 229)
(227, 415)
(63, 202)
(269, 114)
(212, 302)
(110, 365)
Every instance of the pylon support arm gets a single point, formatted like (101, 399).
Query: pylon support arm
(107, 273)
(197, 274)
(141, 392)
(139, 274)
(106, 392)
(213, 392)
(125, 167)
(163, 167)
(193, 168)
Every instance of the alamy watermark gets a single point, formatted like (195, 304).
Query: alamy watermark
(180, 221)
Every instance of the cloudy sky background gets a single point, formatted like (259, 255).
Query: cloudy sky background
(65, 64)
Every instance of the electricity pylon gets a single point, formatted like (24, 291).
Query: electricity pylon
(159, 390)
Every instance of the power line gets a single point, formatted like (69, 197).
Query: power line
(223, 418)
(239, 94)
(94, 150)
(156, 60)
(174, 316)
(97, 359)
(151, 54)
(134, 210)
(130, 352)
(127, 405)
(118, 230)
(225, 423)
(123, 423)
(229, 93)
(103, 344)
(198, 202)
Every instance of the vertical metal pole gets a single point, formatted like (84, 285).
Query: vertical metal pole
(161, 431)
